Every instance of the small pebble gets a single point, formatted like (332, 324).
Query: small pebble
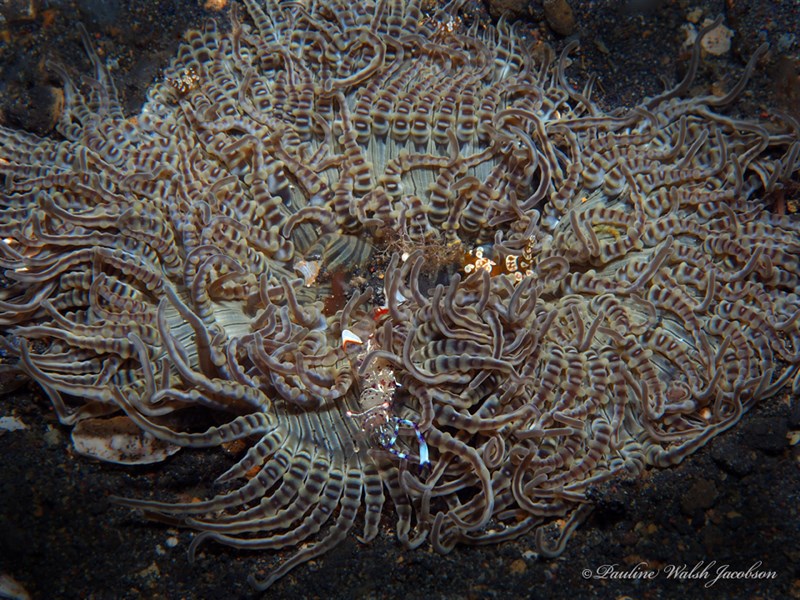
(700, 496)
(718, 40)
(518, 567)
(53, 437)
(694, 15)
(18, 10)
(511, 8)
(559, 16)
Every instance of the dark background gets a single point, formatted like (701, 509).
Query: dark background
(734, 502)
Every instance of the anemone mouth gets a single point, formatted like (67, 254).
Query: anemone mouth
(406, 261)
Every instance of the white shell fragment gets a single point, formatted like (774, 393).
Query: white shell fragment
(716, 42)
(119, 440)
(11, 424)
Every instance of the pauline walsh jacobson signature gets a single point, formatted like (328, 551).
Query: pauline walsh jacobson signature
(709, 572)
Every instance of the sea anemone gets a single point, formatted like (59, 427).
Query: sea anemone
(400, 257)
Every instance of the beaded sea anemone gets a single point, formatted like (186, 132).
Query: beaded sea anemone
(408, 264)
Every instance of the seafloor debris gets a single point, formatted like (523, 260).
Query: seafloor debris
(119, 440)
(716, 42)
(559, 16)
(11, 424)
